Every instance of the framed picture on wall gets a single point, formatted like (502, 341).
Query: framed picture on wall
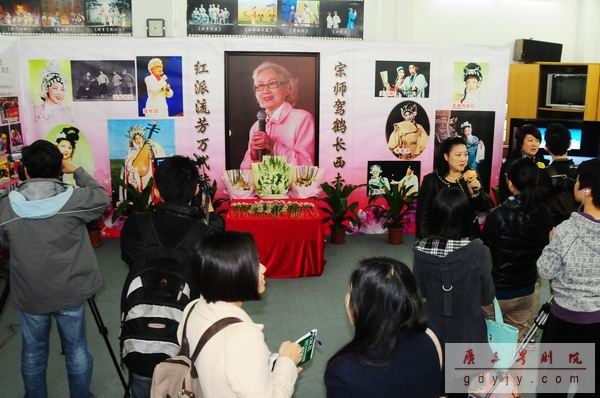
(271, 107)
(384, 174)
(160, 86)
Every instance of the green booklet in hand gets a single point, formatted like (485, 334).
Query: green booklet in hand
(307, 342)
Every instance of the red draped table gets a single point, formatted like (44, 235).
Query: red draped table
(289, 246)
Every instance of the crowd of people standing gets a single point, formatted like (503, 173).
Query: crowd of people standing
(400, 318)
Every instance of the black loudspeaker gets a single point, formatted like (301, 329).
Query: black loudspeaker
(527, 50)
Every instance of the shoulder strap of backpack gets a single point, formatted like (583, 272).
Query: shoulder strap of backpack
(147, 230)
(438, 346)
(207, 335)
(185, 345)
(190, 237)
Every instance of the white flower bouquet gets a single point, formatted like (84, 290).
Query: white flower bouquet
(307, 182)
(238, 183)
(272, 177)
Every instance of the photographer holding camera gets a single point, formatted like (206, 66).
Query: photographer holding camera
(563, 172)
(53, 268)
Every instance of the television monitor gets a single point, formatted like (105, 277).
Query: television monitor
(575, 138)
(566, 90)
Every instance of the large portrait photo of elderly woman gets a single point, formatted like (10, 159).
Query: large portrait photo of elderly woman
(271, 107)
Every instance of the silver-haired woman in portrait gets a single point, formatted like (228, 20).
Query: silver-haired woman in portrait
(288, 131)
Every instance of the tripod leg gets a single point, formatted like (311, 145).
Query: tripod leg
(104, 332)
(5, 294)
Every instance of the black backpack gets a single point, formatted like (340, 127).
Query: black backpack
(156, 290)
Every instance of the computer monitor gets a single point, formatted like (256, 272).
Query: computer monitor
(575, 138)
(576, 159)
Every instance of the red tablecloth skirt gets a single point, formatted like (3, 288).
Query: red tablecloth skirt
(289, 247)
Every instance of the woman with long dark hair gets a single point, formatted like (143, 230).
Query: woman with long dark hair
(454, 272)
(516, 233)
(392, 351)
(450, 167)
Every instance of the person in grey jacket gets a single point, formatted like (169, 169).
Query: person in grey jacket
(572, 262)
(53, 268)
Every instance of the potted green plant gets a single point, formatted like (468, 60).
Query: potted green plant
(134, 200)
(339, 211)
(398, 200)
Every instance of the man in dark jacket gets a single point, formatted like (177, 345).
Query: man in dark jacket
(177, 180)
(563, 172)
(53, 268)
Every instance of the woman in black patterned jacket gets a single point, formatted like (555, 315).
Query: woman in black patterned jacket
(450, 166)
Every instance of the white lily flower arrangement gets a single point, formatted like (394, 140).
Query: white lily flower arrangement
(238, 183)
(307, 182)
(273, 176)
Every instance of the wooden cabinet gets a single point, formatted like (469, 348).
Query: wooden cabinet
(527, 85)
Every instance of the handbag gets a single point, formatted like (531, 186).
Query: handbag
(502, 338)
(177, 376)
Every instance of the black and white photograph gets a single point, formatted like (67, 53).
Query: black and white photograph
(103, 80)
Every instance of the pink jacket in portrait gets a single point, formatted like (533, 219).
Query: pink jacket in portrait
(293, 135)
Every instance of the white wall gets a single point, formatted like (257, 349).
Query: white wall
(483, 22)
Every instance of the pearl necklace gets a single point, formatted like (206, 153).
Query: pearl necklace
(448, 183)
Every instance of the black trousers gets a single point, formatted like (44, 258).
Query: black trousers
(560, 331)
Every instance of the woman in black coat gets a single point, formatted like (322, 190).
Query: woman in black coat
(392, 353)
(516, 233)
(450, 166)
(528, 139)
(454, 272)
